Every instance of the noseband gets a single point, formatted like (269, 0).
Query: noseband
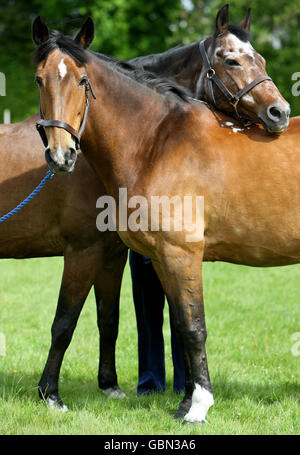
(42, 123)
(232, 98)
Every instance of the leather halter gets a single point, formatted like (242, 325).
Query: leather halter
(42, 123)
(212, 77)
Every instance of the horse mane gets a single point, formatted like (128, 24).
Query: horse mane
(57, 40)
(165, 59)
(169, 59)
(161, 84)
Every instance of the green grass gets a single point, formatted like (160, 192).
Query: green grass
(251, 315)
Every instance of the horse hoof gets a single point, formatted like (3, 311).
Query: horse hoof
(53, 403)
(114, 393)
(183, 409)
(187, 422)
(179, 414)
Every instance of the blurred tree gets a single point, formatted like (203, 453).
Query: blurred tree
(16, 48)
(127, 28)
(124, 28)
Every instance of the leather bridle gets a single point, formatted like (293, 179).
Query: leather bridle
(42, 123)
(213, 78)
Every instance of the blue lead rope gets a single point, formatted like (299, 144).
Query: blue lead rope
(28, 199)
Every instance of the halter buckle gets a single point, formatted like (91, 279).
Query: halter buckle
(234, 102)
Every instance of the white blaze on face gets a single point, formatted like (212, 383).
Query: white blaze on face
(62, 69)
(245, 47)
(234, 48)
(60, 155)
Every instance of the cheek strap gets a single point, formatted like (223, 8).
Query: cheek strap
(213, 78)
(42, 123)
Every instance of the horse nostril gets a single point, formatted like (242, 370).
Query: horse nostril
(274, 113)
(48, 155)
(70, 156)
(73, 154)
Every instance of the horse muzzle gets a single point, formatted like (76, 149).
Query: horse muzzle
(60, 162)
(276, 118)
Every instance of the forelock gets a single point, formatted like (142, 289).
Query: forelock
(58, 40)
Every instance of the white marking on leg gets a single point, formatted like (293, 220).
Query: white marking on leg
(114, 392)
(202, 400)
(62, 69)
(53, 404)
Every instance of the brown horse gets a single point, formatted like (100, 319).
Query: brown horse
(90, 256)
(60, 221)
(228, 75)
(156, 143)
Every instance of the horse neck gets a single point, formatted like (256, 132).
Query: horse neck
(184, 64)
(121, 124)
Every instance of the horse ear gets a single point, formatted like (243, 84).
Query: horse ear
(40, 31)
(247, 21)
(85, 35)
(222, 20)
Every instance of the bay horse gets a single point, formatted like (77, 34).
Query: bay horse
(229, 57)
(158, 142)
(60, 221)
(92, 258)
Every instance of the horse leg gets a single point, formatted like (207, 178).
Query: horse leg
(182, 281)
(186, 402)
(107, 288)
(76, 283)
(177, 357)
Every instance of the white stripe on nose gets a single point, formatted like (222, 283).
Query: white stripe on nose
(60, 158)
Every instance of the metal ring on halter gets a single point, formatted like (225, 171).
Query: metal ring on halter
(210, 73)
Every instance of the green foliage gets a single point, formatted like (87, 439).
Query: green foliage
(128, 28)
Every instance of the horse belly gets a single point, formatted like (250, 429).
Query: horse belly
(17, 244)
(239, 245)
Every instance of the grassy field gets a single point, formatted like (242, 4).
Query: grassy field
(251, 315)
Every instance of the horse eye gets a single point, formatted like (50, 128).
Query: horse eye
(39, 81)
(82, 81)
(231, 62)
